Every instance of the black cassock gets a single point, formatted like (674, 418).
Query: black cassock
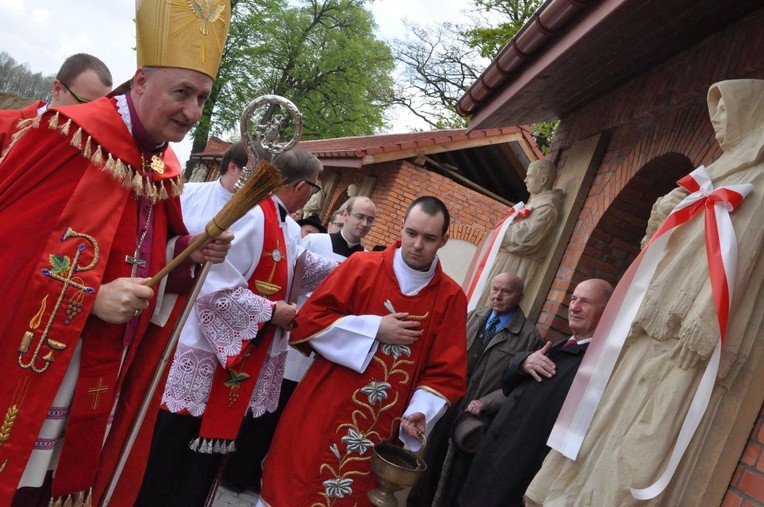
(514, 447)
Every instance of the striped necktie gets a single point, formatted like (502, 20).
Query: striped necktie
(491, 329)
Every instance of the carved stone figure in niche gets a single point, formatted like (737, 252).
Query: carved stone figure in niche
(351, 191)
(672, 337)
(520, 251)
(315, 204)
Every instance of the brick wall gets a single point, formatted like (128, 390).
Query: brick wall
(400, 182)
(658, 126)
(747, 484)
(659, 130)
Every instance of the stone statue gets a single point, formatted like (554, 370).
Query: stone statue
(520, 251)
(314, 205)
(352, 191)
(672, 337)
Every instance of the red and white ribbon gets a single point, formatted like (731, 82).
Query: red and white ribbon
(486, 255)
(598, 363)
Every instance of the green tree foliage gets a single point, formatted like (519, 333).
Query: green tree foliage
(18, 78)
(438, 63)
(511, 15)
(437, 66)
(321, 55)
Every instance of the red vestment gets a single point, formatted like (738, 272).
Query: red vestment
(9, 122)
(324, 441)
(68, 213)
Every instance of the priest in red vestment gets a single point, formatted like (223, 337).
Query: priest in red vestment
(88, 210)
(389, 331)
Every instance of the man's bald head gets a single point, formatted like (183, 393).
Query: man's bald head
(586, 306)
(506, 292)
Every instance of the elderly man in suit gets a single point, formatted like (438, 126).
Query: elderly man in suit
(514, 446)
(495, 334)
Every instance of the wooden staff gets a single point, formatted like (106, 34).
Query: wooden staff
(265, 179)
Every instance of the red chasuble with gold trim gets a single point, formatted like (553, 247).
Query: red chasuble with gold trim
(9, 122)
(68, 213)
(321, 451)
(232, 387)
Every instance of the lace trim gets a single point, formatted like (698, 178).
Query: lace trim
(268, 387)
(316, 269)
(190, 380)
(229, 317)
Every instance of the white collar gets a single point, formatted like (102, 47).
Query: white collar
(411, 280)
(342, 233)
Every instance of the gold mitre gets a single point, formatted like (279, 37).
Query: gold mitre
(189, 34)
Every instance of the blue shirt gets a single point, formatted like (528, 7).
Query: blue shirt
(503, 319)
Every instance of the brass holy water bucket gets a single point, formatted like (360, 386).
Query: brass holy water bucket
(394, 468)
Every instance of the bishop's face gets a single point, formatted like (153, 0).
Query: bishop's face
(169, 101)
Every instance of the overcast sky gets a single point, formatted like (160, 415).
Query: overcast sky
(42, 33)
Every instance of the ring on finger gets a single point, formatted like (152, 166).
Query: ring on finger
(136, 312)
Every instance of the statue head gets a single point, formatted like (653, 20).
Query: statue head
(736, 108)
(541, 176)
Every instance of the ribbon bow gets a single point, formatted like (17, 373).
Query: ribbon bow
(521, 211)
(592, 377)
(485, 255)
(721, 244)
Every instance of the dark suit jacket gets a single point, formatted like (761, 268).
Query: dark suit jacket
(514, 447)
(518, 336)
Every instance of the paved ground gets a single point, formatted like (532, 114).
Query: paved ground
(227, 498)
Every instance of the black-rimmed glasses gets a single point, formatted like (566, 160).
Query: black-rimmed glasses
(79, 99)
(314, 189)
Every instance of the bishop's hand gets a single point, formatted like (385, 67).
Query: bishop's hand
(122, 299)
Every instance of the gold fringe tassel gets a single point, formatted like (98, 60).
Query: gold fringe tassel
(79, 499)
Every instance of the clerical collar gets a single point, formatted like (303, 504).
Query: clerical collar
(342, 233)
(411, 280)
(584, 341)
(280, 206)
(140, 135)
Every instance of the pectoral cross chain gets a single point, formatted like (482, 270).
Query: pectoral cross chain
(136, 262)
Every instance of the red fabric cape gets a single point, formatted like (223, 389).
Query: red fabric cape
(323, 438)
(46, 186)
(9, 121)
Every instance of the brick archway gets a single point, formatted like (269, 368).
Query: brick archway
(615, 239)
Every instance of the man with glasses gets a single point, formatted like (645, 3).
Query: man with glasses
(81, 79)
(359, 216)
(336, 223)
(235, 331)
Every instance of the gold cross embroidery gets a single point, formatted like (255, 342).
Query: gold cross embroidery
(96, 391)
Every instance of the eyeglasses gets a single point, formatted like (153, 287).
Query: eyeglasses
(79, 99)
(314, 189)
(363, 218)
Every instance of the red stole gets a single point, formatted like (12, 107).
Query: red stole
(70, 210)
(232, 387)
